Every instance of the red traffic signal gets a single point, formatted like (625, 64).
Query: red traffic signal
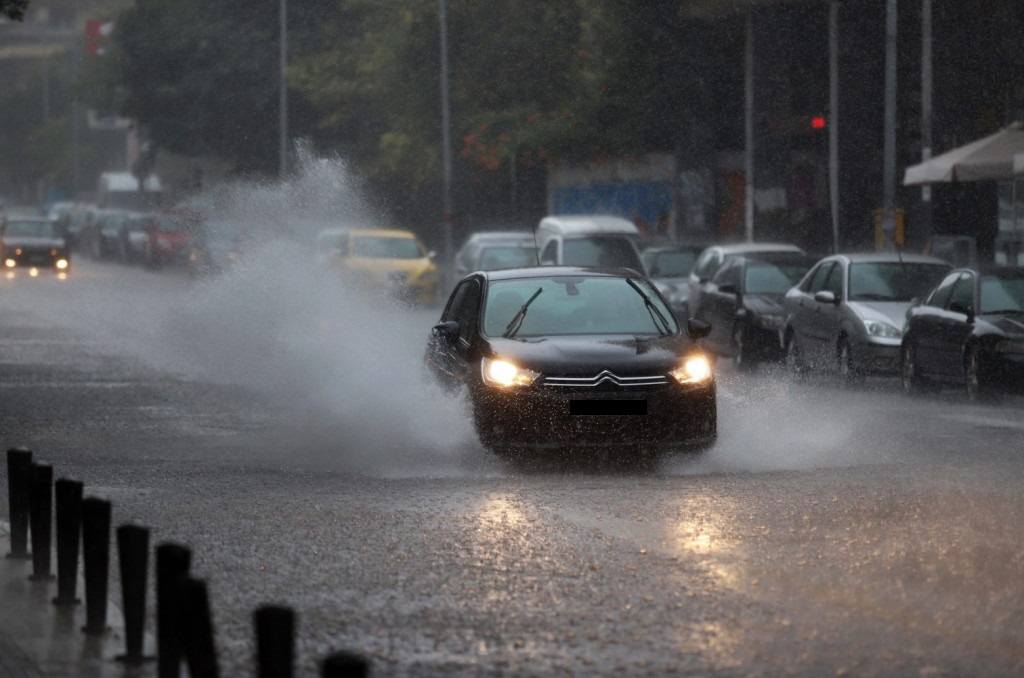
(819, 122)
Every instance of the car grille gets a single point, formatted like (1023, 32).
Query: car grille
(606, 380)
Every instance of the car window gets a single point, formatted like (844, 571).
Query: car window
(766, 278)
(1003, 293)
(940, 296)
(818, 279)
(963, 293)
(728, 275)
(670, 264)
(507, 256)
(601, 252)
(574, 305)
(455, 301)
(893, 280)
(550, 255)
(466, 311)
(382, 247)
(707, 264)
(834, 281)
(29, 229)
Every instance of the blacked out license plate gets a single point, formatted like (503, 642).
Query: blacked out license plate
(607, 407)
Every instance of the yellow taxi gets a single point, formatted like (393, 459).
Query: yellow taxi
(391, 259)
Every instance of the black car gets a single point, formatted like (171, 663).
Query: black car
(34, 242)
(968, 331)
(743, 303)
(574, 358)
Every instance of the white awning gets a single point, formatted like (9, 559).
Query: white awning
(988, 159)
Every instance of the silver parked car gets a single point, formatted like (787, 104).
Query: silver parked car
(848, 312)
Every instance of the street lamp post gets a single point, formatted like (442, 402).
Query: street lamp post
(889, 145)
(748, 105)
(446, 141)
(282, 94)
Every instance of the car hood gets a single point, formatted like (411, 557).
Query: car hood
(1010, 325)
(383, 268)
(763, 303)
(625, 355)
(34, 243)
(892, 312)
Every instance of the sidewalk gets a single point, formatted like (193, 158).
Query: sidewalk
(39, 639)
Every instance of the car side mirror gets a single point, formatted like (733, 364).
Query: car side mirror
(697, 329)
(446, 331)
(825, 297)
(432, 254)
(729, 288)
(957, 307)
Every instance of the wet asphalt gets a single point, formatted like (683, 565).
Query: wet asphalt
(831, 530)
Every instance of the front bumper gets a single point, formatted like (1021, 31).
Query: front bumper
(43, 259)
(876, 356)
(539, 417)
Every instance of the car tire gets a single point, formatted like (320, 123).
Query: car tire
(977, 380)
(741, 353)
(911, 380)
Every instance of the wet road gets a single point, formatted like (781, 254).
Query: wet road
(281, 429)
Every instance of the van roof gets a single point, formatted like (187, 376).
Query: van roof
(587, 224)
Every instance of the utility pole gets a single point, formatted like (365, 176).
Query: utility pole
(748, 105)
(889, 146)
(926, 115)
(833, 121)
(446, 139)
(282, 94)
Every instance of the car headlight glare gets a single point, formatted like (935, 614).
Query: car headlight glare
(10, 263)
(876, 328)
(696, 369)
(61, 264)
(503, 374)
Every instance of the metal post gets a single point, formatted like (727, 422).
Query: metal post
(833, 123)
(69, 534)
(19, 493)
(446, 140)
(748, 104)
(96, 559)
(282, 94)
(926, 114)
(133, 559)
(172, 566)
(41, 521)
(275, 641)
(889, 147)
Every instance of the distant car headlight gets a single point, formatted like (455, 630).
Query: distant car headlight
(696, 369)
(1010, 346)
(877, 328)
(503, 374)
(10, 263)
(771, 321)
(61, 264)
(17, 251)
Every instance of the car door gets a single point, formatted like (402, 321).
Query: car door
(925, 326)
(809, 324)
(447, 355)
(956, 326)
(703, 270)
(718, 306)
(829, 318)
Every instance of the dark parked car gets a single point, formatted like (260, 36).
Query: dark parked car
(668, 266)
(566, 357)
(968, 331)
(743, 303)
(33, 242)
(468, 258)
(714, 257)
(847, 314)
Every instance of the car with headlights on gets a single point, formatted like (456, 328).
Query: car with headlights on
(668, 267)
(574, 358)
(848, 312)
(382, 258)
(34, 243)
(743, 303)
(968, 331)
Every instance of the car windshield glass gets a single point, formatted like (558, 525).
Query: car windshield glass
(507, 256)
(374, 247)
(672, 264)
(893, 281)
(601, 252)
(573, 305)
(772, 278)
(1004, 293)
(29, 229)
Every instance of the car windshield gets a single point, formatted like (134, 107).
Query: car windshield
(380, 247)
(574, 305)
(601, 252)
(29, 229)
(1002, 293)
(893, 281)
(672, 264)
(507, 256)
(772, 278)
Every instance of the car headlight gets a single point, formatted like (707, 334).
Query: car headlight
(61, 264)
(503, 374)
(1010, 346)
(877, 328)
(10, 263)
(696, 369)
(770, 321)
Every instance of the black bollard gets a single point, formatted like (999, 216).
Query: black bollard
(19, 489)
(275, 641)
(69, 532)
(345, 665)
(133, 557)
(172, 565)
(196, 630)
(41, 521)
(96, 554)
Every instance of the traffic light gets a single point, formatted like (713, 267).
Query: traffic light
(819, 122)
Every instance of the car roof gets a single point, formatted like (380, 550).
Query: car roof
(674, 247)
(484, 236)
(588, 224)
(382, 232)
(889, 257)
(774, 258)
(749, 247)
(548, 271)
(992, 269)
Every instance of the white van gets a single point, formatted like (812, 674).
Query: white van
(595, 241)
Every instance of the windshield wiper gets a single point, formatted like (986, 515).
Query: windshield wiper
(517, 320)
(656, 316)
